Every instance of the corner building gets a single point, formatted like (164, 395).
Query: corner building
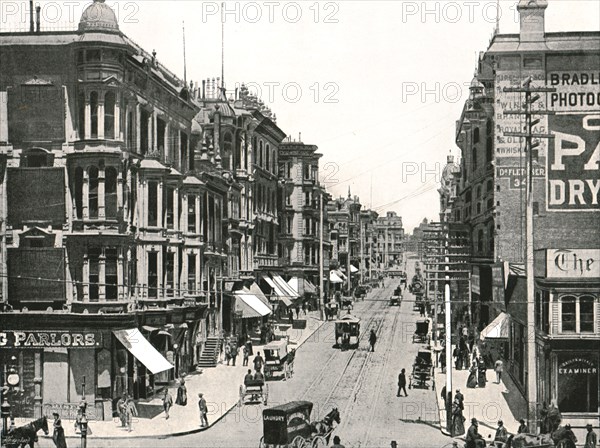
(108, 228)
(566, 211)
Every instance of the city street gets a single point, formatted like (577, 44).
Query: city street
(361, 384)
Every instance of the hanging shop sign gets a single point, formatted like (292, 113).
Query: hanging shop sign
(50, 339)
(475, 281)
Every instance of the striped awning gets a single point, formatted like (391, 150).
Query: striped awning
(250, 305)
(499, 328)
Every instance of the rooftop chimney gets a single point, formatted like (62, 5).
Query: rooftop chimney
(531, 17)
(38, 8)
(31, 27)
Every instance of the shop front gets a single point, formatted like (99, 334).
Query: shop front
(57, 367)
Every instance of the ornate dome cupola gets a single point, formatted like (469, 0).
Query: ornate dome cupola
(99, 17)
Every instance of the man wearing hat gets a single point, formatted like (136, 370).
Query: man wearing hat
(203, 410)
(501, 435)
(474, 439)
(591, 440)
(337, 443)
(523, 429)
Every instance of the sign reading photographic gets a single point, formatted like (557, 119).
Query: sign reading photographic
(573, 163)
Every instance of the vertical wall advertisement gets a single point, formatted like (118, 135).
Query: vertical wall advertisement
(574, 155)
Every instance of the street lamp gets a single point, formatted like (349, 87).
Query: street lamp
(84, 430)
(11, 380)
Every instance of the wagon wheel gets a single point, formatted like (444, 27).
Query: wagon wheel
(265, 394)
(319, 442)
(298, 442)
(261, 444)
(241, 400)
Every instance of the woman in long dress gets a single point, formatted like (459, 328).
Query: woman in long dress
(458, 425)
(181, 393)
(58, 437)
(481, 368)
(472, 379)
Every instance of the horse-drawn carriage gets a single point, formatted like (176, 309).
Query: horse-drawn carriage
(422, 374)
(421, 334)
(289, 426)
(278, 359)
(25, 436)
(347, 331)
(331, 310)
(396, 297)
(257, 389)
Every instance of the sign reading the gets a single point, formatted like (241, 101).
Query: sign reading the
(42, 339)
(573, 163)
(573, 263)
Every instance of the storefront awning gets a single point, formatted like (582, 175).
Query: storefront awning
(282, 293)
(334, 278)
(142, 350)
(250, 305)
(353, 269)
(301, 285)
(498, 329)
(255, 289)
(289, 291)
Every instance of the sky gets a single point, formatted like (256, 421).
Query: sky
(376, 85)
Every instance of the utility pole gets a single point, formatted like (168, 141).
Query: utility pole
(362, 252)
(321, 266)
(530, 145)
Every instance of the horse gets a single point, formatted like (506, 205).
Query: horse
(26, 435)
(529, 440)
(325, 426)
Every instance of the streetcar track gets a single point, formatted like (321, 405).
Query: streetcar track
(381, 376)
(335, 354)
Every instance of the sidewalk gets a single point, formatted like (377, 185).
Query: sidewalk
(488, 405)
(220, 386)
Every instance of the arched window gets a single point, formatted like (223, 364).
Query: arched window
(130, 130)
(94, 114)
(568, 314)
(109, 115)
(110, 193)
(474, 158)
(268, 157)
(491, 239)
(93, 192)
(476, 135)
(586, 314)
(260, 154)
(228, 152)
(81, 113)
(78, 192)
(480, 240)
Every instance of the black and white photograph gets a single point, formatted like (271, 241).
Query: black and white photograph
(299, 224)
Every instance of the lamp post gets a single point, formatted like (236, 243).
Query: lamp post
(11, 380)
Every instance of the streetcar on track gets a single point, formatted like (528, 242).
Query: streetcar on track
(289, 426)
(347, 331)
(278, 359)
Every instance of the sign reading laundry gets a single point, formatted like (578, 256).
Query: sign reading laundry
(40, 339)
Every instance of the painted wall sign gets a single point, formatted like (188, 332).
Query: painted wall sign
(573, 263)
(50, 339)
(573, 163)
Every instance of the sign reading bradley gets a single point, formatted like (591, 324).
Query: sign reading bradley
(41, 339)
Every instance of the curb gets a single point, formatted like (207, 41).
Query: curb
(182, 433)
